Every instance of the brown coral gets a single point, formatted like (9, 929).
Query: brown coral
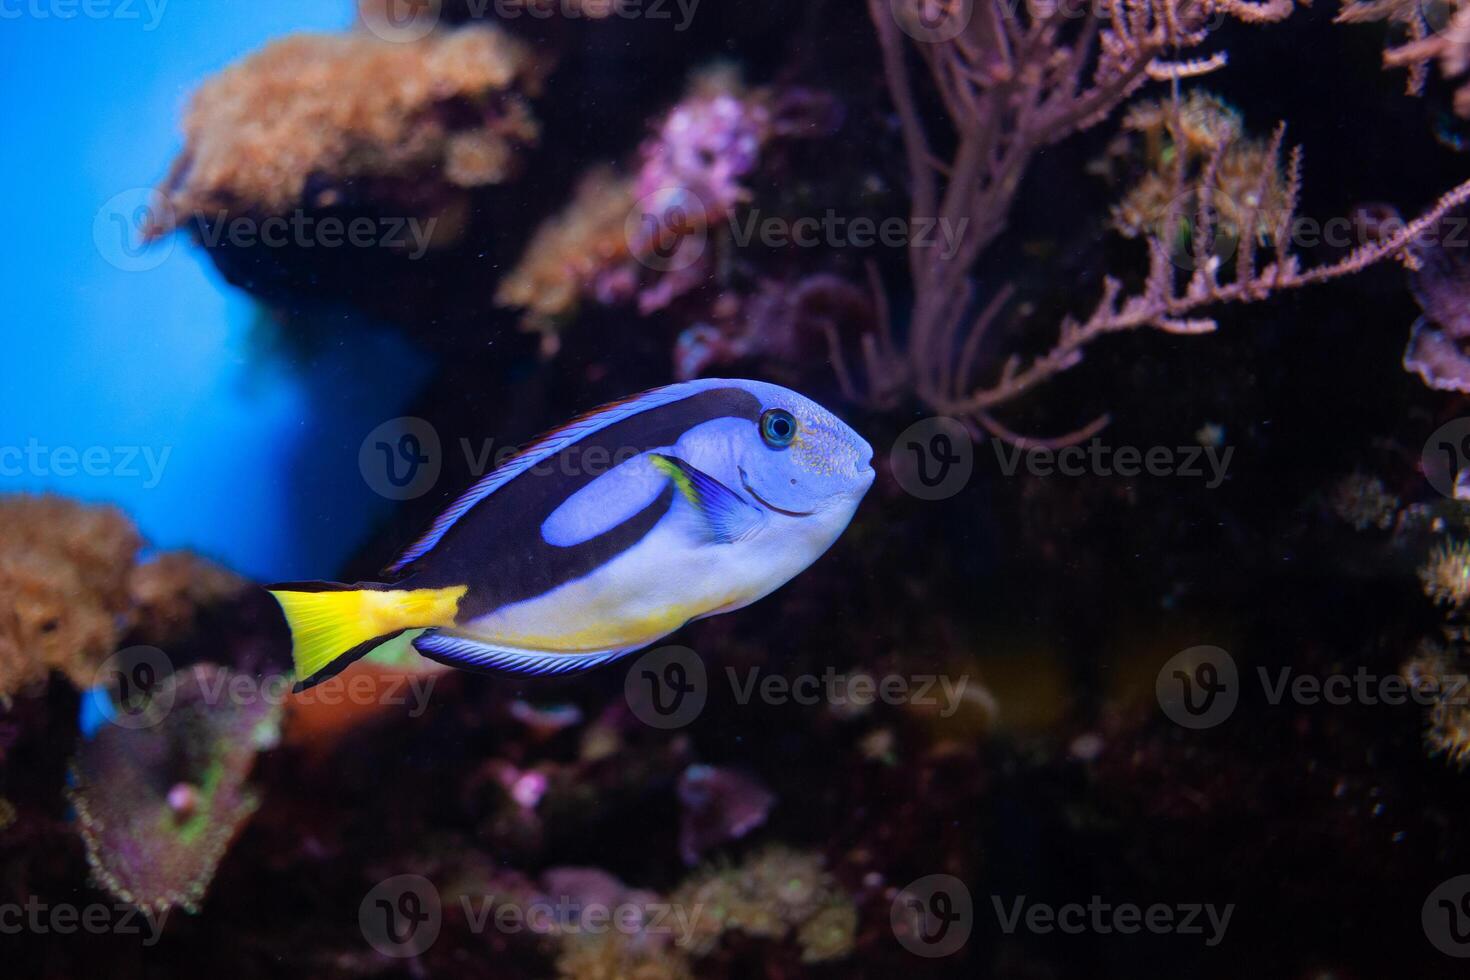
(569, 251)
(72, 590)
(297, 119)
(169, 590)
(64, 571)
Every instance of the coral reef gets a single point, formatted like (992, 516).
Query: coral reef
(314, 118)
(158, 806)
(77, 590)
(1044, 83)
(656, 235)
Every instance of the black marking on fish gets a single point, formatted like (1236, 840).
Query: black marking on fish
(495, 546)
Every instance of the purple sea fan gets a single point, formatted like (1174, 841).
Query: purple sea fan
(719, 805)
(1440, 280)
(157, 807)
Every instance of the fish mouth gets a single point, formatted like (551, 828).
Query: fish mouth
(745, 482)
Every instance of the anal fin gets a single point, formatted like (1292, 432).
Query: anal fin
(472, 654)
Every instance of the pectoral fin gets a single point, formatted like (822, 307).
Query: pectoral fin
(726, 516)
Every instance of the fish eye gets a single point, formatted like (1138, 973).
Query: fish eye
(778, 428)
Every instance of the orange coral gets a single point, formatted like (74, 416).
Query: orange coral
(71, 589)
(354, 106)
(569, 250)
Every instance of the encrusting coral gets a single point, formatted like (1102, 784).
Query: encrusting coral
(75, 589)
(292, 124)
(158, 806)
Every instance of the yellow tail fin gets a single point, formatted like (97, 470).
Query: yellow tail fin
(333, 625)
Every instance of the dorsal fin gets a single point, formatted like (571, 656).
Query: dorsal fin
(542, 447)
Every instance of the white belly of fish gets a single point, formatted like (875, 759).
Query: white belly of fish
(650, 590)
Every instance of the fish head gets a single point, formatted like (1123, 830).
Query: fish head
(801, 463)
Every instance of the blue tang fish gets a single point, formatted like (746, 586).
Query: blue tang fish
(605, 535)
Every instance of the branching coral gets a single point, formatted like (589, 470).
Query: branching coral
(295, 123)
(1437, 30)
(1013, 83)
(157, 807)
